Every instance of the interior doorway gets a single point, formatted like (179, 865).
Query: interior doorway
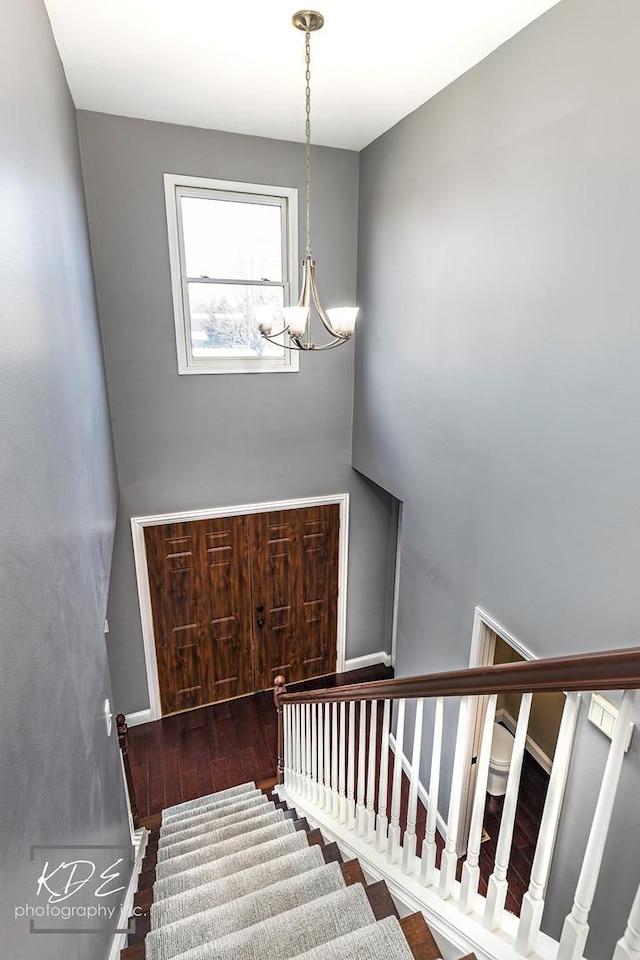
(493, 644)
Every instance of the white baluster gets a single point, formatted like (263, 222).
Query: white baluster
(303, 749)
(314, 753)
(362, 747)
(576, 928)
(470, 868)
(497, 886)
(287, 744)
(298, 747)
(381, 819)
(449, 861)
(342, 765)
(320, 768)
(327, 758)
(370, 828)
(335, 798)
(351, 768)
(533, 900)
(428, 864)
(393, 846)
(409, 841)
(628, 947)
(307, 785)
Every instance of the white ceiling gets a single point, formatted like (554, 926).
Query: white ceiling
(239, 66)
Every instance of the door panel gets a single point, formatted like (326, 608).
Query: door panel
(320, 590)
(295, 578)
(274, 591)
(226, 606)
(201, 614)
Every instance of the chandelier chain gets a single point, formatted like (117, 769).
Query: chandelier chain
(307, 128)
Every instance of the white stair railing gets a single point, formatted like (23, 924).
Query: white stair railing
(628, 947)
(336, 770)
(497, 886)
(471, 866)
(533, 900)
(429, 847)
(576, 927)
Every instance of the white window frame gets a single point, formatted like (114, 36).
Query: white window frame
(177, 186)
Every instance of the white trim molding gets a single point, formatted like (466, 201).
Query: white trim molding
(138, 718)
(119, 941)
(368, 660)
(138, 525)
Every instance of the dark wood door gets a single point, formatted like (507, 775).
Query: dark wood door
(200, 600)
(295, 588)
(238, 600)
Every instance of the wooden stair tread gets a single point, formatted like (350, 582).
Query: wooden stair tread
(380, 900)
(136, 952)
(153, 823)
(420, 939)
(352, 873)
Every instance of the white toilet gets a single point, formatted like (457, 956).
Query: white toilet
(500, 760)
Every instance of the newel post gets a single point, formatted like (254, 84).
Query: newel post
(279, 688)
(123, 742)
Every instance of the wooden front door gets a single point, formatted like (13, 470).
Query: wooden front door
(238, 600)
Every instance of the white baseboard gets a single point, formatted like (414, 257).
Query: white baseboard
(119, 941)
(503, 716)
(423, 796)
(369, 660)
(135, 719)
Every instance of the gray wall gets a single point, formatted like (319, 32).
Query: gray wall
(60, 779)
(499, 231)
(186, 442)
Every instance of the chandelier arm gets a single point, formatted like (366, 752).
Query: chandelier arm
(336, 342)
(312, 288)
(296, 343)
(273, 336)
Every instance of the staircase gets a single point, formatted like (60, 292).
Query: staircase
(236, 875)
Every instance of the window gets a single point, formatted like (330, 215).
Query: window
(232, 248)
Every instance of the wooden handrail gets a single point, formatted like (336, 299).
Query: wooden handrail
(610, 670)
(123, 742)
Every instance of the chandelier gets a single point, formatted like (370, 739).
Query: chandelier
(339, 322)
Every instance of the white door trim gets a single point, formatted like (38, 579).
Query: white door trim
(138, 525)
(485, 630)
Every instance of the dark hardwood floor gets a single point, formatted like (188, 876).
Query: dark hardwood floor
(195, 753)
(191, 754)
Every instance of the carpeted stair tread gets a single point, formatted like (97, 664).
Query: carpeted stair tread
(253, 833)
(225, 889)
(178, 824)
(296, 931)
(213, 807)
(204, 834)
(383, 940)
(260, 905)
(188, 805)
(282, 838)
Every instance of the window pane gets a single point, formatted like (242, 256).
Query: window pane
(223, 322)
(230, 239)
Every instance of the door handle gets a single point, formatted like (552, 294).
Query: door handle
(260, 608)
(260, 622)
